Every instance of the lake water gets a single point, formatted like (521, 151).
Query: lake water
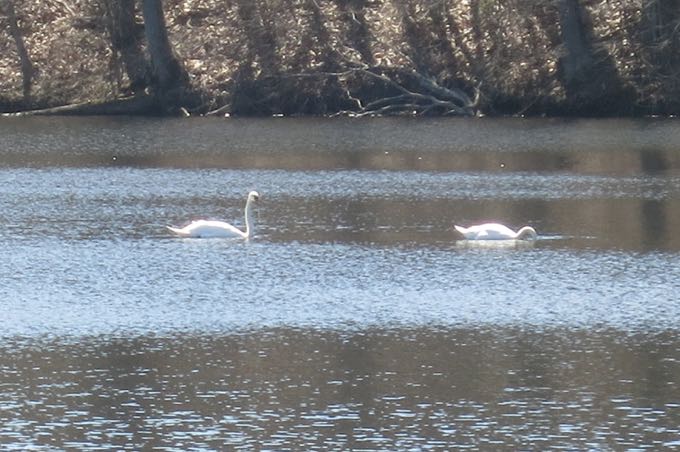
(354, 320)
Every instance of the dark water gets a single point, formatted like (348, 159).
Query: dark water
(354, 320)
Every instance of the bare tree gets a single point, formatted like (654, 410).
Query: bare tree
(659, 54)
(578, 58)
(26, 67)
(126, 42)
(588, 74)
(170, 81)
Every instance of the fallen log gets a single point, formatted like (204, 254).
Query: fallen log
(132, 106)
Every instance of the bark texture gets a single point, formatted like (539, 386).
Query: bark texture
(169, 80)
(7, 6)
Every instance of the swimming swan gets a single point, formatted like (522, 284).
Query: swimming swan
(211, 228)
(495, 231)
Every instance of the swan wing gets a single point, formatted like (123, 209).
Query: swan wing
(487, 231)
(208, 228)
(496, 231)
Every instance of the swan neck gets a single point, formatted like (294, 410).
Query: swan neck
(249, 219)
(526, 231)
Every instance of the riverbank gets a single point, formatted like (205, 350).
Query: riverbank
(273, 57)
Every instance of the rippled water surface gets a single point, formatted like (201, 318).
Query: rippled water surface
(355, 319)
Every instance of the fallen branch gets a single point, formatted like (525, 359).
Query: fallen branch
(136, 105)
(390, 91)
(453, 102)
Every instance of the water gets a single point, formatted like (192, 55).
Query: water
(354, 320)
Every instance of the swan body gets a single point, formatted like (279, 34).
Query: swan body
(495, 231)
(213, 228)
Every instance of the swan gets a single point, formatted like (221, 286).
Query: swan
(212, 228)
(495, 231)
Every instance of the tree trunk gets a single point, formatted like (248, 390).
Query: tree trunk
(578, 59)
(170, 80)
(660, 44)
(126, 41)
(260, 37)
(26, 66)
(589, 75)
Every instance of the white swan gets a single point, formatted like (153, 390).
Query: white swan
(212, 228)
(495, 231)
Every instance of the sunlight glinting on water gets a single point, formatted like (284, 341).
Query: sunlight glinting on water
(92, 288)
(356, 318)
(335, 249)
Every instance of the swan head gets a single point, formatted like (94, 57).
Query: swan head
(253, 196)
(527, 232)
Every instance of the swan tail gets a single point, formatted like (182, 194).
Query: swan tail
(460, 229)
(177, 231)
